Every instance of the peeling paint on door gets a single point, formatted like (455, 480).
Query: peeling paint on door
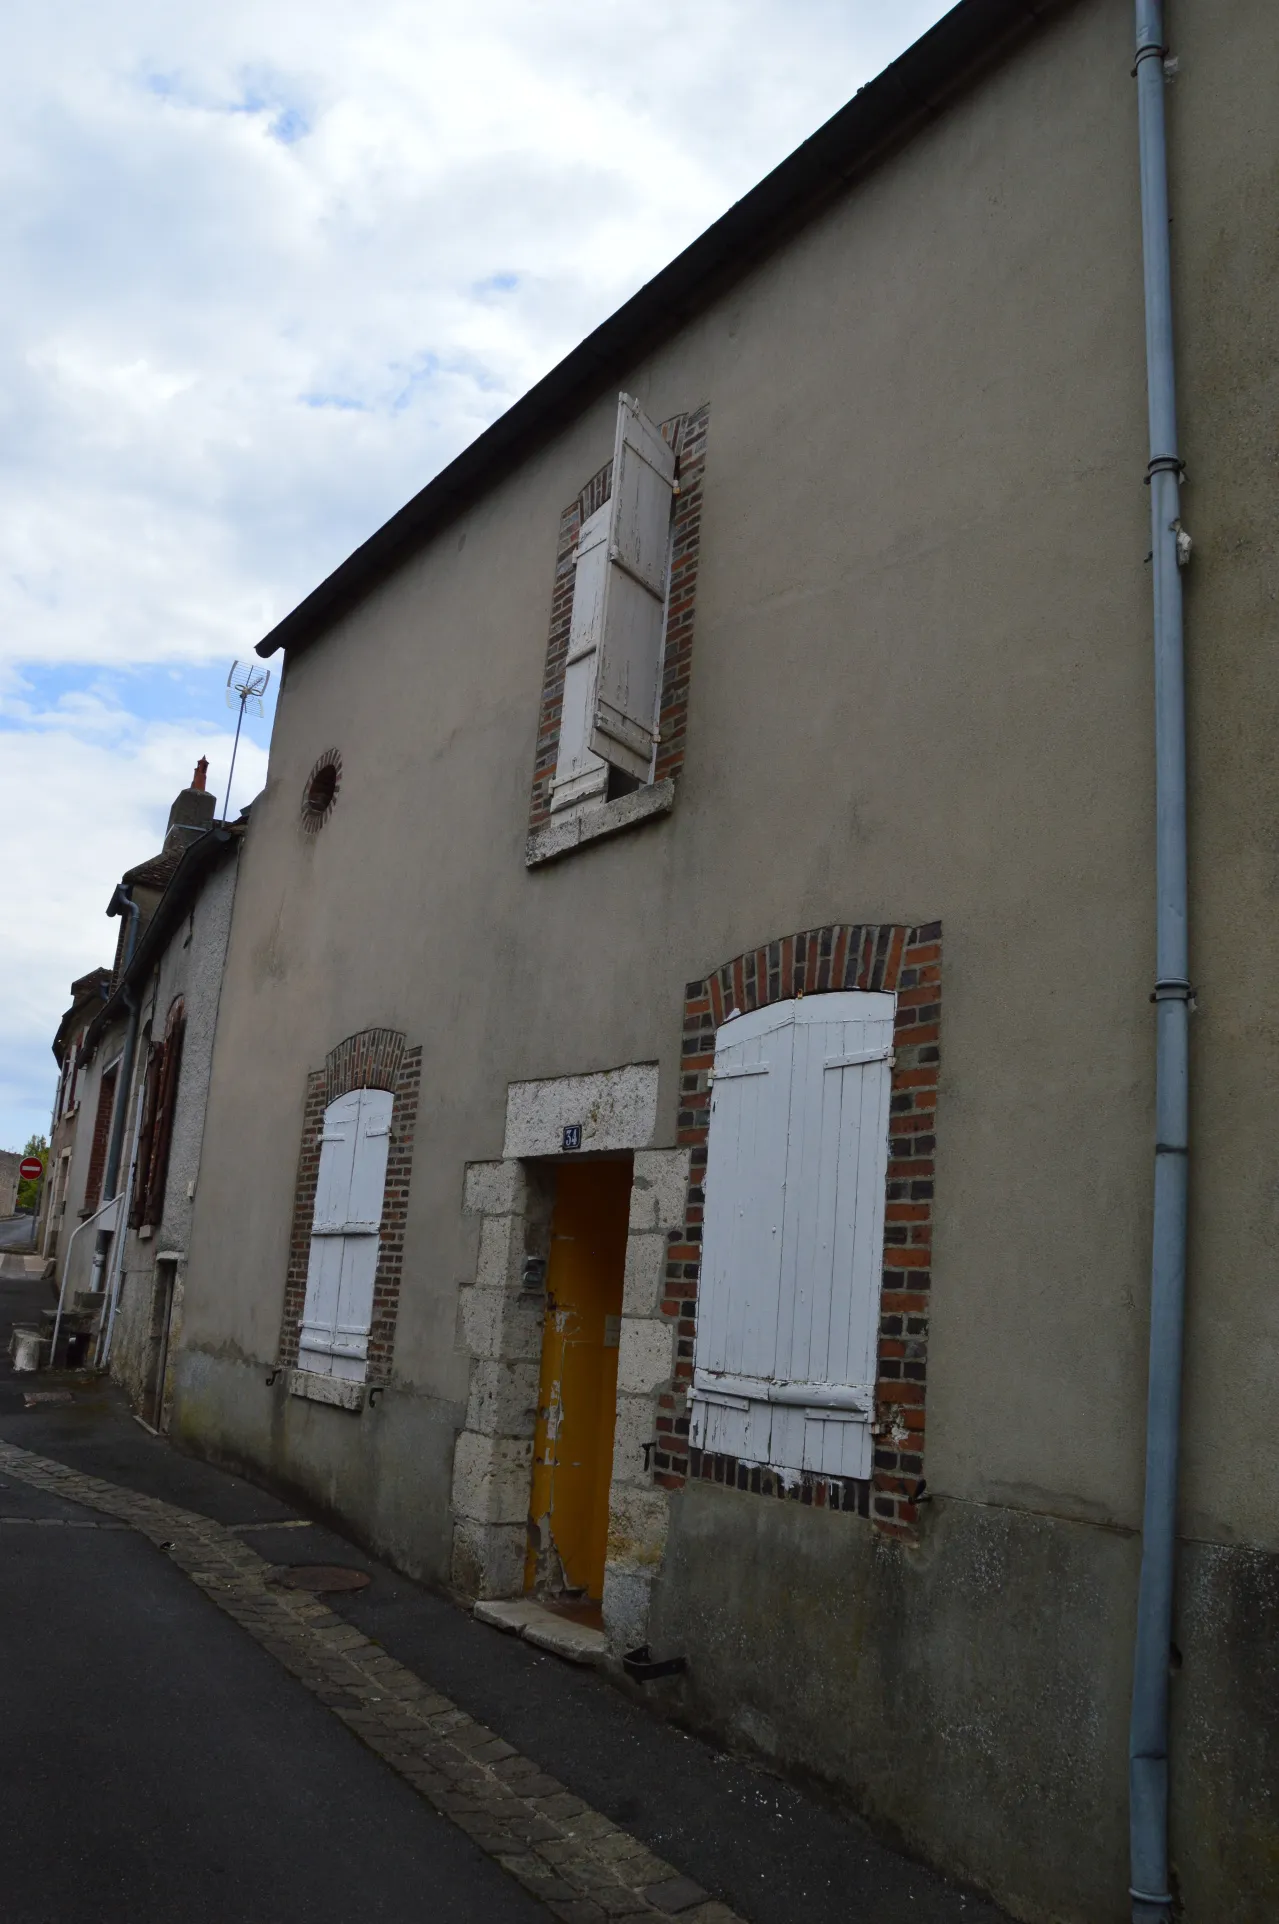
(577, 1396)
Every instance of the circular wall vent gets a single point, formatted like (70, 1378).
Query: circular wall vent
(321, 790)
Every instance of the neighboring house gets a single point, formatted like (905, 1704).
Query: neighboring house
(149, 1087)
(88, 994)
(10, 1160)
(681, 1121)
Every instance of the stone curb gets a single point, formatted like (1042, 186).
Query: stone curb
(584, 1868)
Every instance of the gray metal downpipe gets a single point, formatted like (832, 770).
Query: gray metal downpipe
(121, 904)
(1148, 1734)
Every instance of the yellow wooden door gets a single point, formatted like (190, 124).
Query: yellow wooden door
(577, 1399)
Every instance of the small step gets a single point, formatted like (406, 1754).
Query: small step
(546, 1629)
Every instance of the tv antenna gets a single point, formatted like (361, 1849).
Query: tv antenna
(246, 694)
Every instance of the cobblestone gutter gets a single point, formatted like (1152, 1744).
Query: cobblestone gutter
(574, 1859)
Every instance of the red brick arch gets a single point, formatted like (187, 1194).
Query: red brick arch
(373, 1059)
(906, 960)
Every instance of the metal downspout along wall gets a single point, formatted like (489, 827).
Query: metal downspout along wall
(1148, 1737)
(122, 903)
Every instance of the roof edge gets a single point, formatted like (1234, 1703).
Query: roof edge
(880, 116)
(197, 860)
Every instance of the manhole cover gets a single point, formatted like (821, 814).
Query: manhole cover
(320, 1576)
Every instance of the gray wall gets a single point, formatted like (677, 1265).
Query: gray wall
(921, 688)
(9, 1160)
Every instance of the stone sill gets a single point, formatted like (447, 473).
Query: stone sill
(548, 844)
(339, 1391)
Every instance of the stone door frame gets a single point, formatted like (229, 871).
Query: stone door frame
(500, 1327)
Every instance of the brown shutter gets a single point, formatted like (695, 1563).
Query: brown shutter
(98, 1147)
(172, 1070)
(146, 1136)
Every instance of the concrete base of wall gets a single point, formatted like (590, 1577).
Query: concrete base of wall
(970, 1696)
(382, 1474)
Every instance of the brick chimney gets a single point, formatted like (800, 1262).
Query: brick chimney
(193, 811)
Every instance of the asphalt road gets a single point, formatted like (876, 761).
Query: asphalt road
(17, 1232)
(156, 1765)
(159, 1767)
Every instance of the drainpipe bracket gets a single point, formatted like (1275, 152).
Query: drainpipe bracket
(1174, 989)
(1146, 1897)
(1165, 464)
(1149, 50)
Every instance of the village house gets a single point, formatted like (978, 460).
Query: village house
(678, 1159)
(88, 993)
(142, 1061)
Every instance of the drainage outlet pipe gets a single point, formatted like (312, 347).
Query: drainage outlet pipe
(1148, 1735)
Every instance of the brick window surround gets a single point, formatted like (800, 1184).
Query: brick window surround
(904, 960)
(373, 1059)
(686, 434)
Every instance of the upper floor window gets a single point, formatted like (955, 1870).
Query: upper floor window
(613, 671)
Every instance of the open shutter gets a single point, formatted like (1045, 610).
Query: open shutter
(162, 1135)
(797, 1393)
(578, 772)
(146, 1134)
(624, 725)
(344, 1234)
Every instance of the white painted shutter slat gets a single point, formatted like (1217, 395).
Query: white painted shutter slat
(342, 1267)
(324, 1264)
(855, 1103)
(789, 1311)
(578, 772)
(745, 1202)
(624, 723)
(360, 1252)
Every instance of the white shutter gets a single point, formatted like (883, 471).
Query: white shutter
(578, 773)
(745, 1193)
(624, 726)
(796, 1390)
(344, 1234)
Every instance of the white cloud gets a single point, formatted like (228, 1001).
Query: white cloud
(267, 267)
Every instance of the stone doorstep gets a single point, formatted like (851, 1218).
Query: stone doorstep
(524, 1617)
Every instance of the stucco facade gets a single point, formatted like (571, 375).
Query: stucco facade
(920, 695)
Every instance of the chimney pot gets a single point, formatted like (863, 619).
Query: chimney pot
(201, 770)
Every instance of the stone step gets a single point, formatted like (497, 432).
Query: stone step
(547, 1629)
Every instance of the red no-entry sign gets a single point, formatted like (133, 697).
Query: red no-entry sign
(29, 1168)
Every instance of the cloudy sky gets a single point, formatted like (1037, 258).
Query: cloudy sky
(268, 265)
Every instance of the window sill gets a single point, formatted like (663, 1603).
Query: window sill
(339, 1391)
(548, 844)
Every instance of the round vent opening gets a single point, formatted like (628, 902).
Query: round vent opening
(321, 790)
